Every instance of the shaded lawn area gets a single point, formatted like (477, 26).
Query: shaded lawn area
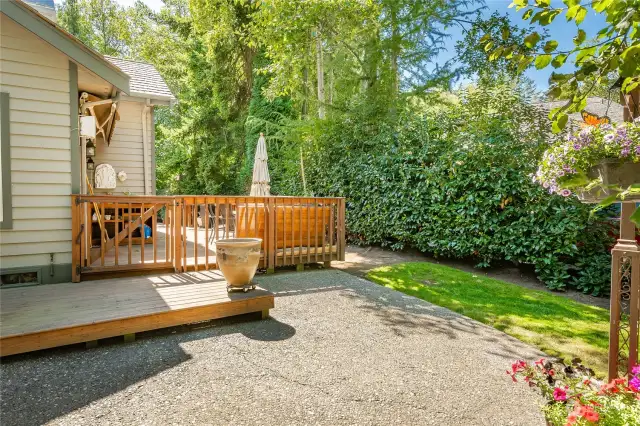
(558, 326)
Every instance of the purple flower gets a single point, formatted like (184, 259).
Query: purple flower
(635, 384)
(577, 146)
(565, 193)
(561, 173)
(545, 185)
(638, 150)
(635, 370)
(609, 138)
(606, 126)
(625, 152)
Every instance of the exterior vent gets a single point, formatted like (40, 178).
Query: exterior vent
(19, 278)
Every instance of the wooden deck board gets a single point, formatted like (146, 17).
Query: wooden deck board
(39, 317)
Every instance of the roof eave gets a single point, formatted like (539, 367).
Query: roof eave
(30, 19)
(152, 96)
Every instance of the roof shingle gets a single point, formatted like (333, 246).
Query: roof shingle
(595, 105)
(145, 79)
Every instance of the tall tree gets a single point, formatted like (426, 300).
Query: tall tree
(70, 16)
(225, 26)
(101, 24)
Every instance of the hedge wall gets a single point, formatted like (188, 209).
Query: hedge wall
(455, 181)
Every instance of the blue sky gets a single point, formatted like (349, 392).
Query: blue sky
(559, 30)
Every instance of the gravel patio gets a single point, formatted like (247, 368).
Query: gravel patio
(336, 350)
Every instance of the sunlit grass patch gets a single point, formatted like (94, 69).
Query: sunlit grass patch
(559, 326)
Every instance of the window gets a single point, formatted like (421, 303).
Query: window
(5, 164)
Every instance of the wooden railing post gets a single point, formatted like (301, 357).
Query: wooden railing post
(625, 297)
(76, 238)
(270, 221)
(177, 234)
(342, 232)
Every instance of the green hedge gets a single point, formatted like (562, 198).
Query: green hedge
(455, 181)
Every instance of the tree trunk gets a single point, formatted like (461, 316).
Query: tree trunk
(395, 50)
(320, 76)
(305, 91)
(331, 84)
(248, 55)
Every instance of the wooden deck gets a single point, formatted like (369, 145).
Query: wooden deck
(46, 316)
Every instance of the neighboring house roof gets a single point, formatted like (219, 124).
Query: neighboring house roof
(145, 81)
(68, 44)
(595, 105)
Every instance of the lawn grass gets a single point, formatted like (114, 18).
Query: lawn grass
(558, 326)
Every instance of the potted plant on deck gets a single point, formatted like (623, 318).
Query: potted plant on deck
(597, 163)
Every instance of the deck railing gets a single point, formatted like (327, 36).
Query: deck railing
(113, 234)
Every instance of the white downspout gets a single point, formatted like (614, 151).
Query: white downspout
(145, 147)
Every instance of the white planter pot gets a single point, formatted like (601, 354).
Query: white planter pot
(238, 259)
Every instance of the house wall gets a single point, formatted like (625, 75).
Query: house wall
(36, 76)
(126, 151)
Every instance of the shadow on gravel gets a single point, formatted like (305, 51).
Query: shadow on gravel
(404, 315)
(41, 386)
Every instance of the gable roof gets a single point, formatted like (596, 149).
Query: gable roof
(595, 105)
(68, 44)
(145, 81)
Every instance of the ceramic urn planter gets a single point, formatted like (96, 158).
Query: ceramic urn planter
(238, 260)
(616, 173)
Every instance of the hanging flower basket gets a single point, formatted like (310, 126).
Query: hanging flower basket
(598, 164)
(615, 176)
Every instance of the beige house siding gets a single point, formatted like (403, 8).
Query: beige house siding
(36, 76)
(126, 151)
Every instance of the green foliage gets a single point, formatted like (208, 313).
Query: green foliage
(378, 49)
(615, 49)
(274, 118)
(489, 46)
(456, 182)
(556, 325)
(101, 24)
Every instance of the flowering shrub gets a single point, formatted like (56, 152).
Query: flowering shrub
(575, 397)
(565, 164)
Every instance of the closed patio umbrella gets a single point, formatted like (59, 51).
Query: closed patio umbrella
(260, 185)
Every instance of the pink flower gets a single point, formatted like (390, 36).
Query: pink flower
(518, 366)
(585, 411)
(559, 394)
